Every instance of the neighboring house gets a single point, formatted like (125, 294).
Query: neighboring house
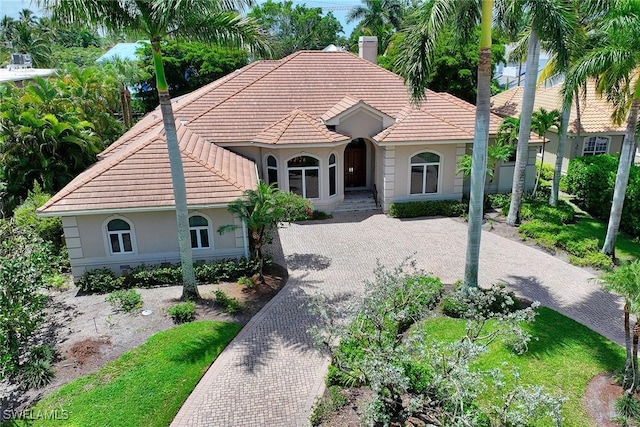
(19, 75)
(320, 124)
(598, 134)
(123, 51)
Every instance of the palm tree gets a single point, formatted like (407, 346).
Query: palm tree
(126, 73)
(554, 21)
(378, 18)
(414, 63)
(625, 281)
(614, 62)
(541, 121)
(206, 20)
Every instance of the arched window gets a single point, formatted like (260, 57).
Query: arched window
(272, 171)
(304, 173)
(199, 229)
(119, 234)
(425, 168)
(333, 174)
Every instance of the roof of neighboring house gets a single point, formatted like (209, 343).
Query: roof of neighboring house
(139, 177)
(123, 51)
(19, 74)
(242, 105)
(595, 110)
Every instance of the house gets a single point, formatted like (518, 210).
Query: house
(320, 124)
(598, 133)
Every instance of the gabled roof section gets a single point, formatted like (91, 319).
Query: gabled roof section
(348, 105)
(139, 177)
(418, 124)
(595, 110)
(298, 127)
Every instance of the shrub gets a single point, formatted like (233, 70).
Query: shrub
(581, 248)
(487, 302)
(547, 171)
(230, 304)
(183, 312)
(497, 201)
(320, 215)
(246, 282)
(144, 276)
(330, 402)
(56, 281)
(591, 180)
(125, 301)
(48, 228)
(449, 208)
(592, 259)
(37, 373)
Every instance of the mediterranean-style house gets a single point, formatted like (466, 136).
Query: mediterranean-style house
(598, 133)
(320, 124)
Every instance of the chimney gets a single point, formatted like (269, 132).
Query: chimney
(368, 48)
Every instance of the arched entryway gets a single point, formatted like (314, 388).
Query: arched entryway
(355, 164)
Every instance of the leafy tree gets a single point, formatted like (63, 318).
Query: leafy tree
(262, 210)
(22, 263)
(625, 281)
(415, 63)
(296, 27)
(614, 61)
(158, 20)
(541, 121)
(23, 36)
(188, 66)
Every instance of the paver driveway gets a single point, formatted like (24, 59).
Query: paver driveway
(270, 374)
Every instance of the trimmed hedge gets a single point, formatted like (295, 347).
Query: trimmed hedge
(144, 276)
(428, 208)
(591, 179)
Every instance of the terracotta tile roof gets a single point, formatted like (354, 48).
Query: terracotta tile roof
(139, 176)
(595, 111)
(340, 107)
(299, 127)
(415, 124)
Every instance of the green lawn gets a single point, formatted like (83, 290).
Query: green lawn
(586, 227)
(563, 356)
(145, 386)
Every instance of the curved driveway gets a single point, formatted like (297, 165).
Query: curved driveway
(270, 374)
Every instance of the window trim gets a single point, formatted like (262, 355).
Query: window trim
(593, 153)
(335, 171)
(208, 227)
(439, 180)
(304, 169)
(107, 239)
(268, 168)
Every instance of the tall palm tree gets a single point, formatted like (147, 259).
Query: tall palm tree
(541, 121)
(206, 20)
(378, 18)
(553, 21)
(126, 73)
(614, 62)
(414, 62)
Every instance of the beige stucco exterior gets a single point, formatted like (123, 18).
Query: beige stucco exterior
(575, 147)
(154, 239)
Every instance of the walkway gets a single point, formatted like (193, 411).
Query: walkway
(270, 374)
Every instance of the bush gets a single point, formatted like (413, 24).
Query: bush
(230, 304)
(246, 282)
(591, 180)
(332, 401)
(592, 259)
(495, 300)
(547, 171)
(497, 201)
(183, 312)
(104, 280)
(449, 208)
(37, 373)
(48, 229)
(125, 301)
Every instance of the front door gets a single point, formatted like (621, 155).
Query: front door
(355, 164)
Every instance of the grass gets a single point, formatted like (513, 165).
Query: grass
(145, 386)
(563, 356)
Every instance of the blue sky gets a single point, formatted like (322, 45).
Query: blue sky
(12, 7)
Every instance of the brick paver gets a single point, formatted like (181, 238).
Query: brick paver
(270, 374)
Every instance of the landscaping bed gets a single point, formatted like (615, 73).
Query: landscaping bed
(88, 333)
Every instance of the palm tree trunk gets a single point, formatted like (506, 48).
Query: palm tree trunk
(480, 143)
(634, 359)
(522, 152)
(189, 289)
(576, 146)
(627, 380)
(627, 155)
(562, 142)
(535, 187)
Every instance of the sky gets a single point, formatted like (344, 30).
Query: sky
(340, 9)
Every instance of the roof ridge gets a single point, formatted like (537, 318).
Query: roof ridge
(281, 62)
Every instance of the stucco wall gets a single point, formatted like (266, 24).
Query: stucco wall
(154, 240)
(360, 124)
(574, 146)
